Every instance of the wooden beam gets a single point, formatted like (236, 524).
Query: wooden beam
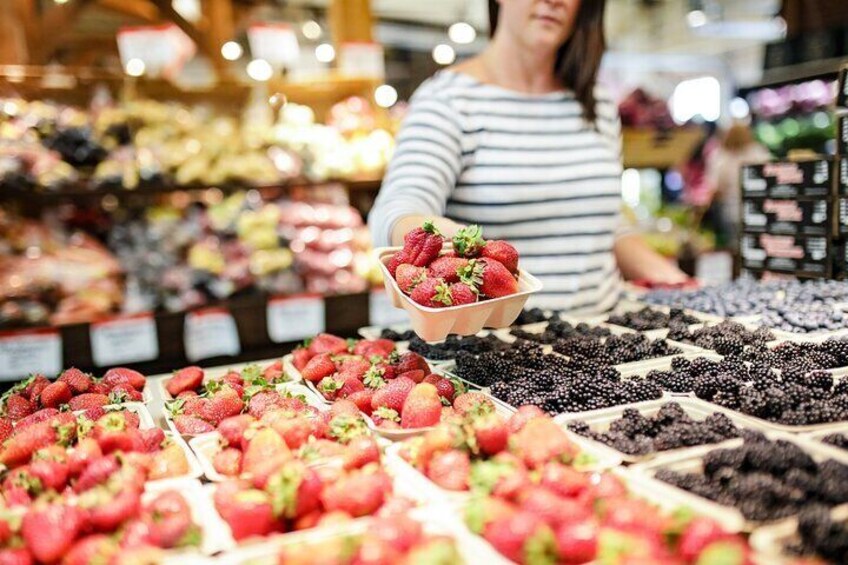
(351, 21)
(139, 9)
(25, 10)
(220, 26)
(195, 33)
(56, 23)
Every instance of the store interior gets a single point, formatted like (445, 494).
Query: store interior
(205, 357)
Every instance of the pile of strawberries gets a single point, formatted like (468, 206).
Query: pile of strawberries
(199, 405)
(390, 538)
(73, 390)
(475, 269)
(396, 391)
(559, 515)
(252, 445)
(106, 524)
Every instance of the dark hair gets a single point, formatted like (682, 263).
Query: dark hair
(579, 58)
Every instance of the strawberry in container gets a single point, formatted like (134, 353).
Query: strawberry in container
(460, 289)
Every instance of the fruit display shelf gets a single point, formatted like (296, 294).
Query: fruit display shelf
(646, 430)
(753, 471)
(216, 373)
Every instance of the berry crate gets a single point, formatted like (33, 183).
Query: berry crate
(691, 461)
(215, 373)
(600, 420)
(772, 542)
(626, 306)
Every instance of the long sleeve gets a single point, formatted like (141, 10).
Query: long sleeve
(425, 167)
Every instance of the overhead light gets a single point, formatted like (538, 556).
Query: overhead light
(462, 33)
(231, 50)
(696, 97)
(444, 54)
(696, 18)
(385, 96)
(739, 108)
(325, 53)
(260, 70)
(60, 2)
(311, 29)
(135, 67)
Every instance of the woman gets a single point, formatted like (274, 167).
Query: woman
(520, 141)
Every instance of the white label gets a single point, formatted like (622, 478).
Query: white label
(362, 60)
(24, 353)
(381, 313)
(124, 340)
(210, 333)
(296, 318)
(164, 49)
(274, 42)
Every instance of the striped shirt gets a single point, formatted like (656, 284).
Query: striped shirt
(527, 168)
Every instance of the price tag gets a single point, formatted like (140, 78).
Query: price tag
(210, 332)
(381, 313)
(129, 339)
(274, 42)
(362, 60)
(30, 351)
(295, 318)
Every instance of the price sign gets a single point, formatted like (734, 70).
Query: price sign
(295, 318)
(381, 313)
(30, 351)
(275, 43)
(210, 332)
(164, 49)
(362, 60)
(129, 339)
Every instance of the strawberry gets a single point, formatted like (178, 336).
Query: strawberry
(94, 413)
(540, 441)
(363, 399)
(396, 260)
(300, 357)
(431, 379)
(359, 493)
(361, 451)
(699, 533)
(124, 392)
(228, 462)
(422, 408)
(294, 431)
(563, 480)
(386, 418)
(232, 429)
(461, 294)
(370, 348)
(52, 474)
(78, 381)
(152, 439)
(50, 531)
(169, 518)
(450, 469)
(187, 378)
(518, 535)
(432, 293)
(327, 343)
(409, 276)
(17, 407)
(97, 548)
(19, 448)
(491, 433)
(295, 490)
(468, 241)
(191, 425)
(318, 367)
(473, 402)
(274, 372)
(86, 451)
(399, 531)
(98, 388)
(221, 405)
(265, 445)
(36, 417)
(19, 556)
(551, 507)
(502, 252)
(446, 389)
(447, 268)
(411, 361)
(188, 394)
(523, 415)
(422, 246)
(263, 402)
(416, 376)
(350, 386)
(106, 510)
(168, 462)
(247, 511)
(6, 428)
(55, 394)
(87, 401)
(345, 427)
(393, 395)
(490, 278)
(122, 375)
(330, 387)
(577, 541)
(354, 366)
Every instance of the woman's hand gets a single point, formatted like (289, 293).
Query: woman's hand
(637, 261)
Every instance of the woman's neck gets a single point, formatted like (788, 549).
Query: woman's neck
(516, 68)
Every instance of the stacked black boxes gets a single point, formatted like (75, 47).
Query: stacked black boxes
(795, 213)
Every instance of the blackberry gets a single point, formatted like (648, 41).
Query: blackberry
(836, 439)
(754, 403)
(718, 459)
(640, 390)
(722, 425)
(680, 364)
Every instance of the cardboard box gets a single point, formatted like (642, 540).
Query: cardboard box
(801, 216)
(791, 254)
(789, 179)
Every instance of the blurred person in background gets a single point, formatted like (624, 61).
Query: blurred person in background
(521, 141)
(737, 147)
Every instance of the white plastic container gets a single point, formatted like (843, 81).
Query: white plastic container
(435, 324)
(770, 542)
